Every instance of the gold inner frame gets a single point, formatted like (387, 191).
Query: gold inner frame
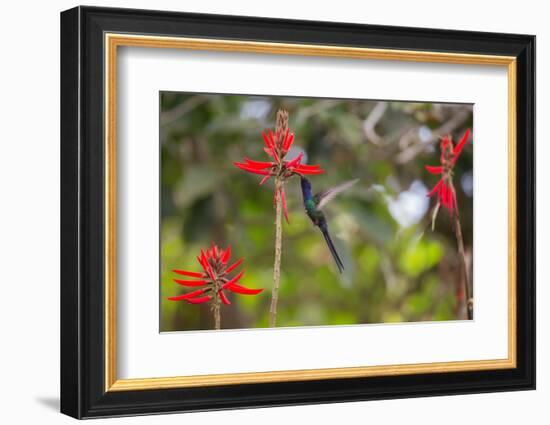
(113, 41)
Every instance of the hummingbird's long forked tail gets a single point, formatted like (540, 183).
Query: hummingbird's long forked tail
(332, 249)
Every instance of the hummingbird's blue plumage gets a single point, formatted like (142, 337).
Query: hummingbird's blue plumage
(306, 188)
(311, 203)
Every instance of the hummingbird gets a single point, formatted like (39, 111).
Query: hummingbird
(313, 203)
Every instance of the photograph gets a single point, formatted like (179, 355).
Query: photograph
(293, 211)
(288, 210)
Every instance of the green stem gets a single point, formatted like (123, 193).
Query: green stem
(278, 250)
(216, 312)
(469, 300)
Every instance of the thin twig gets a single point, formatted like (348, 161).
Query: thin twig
(317, 107)
(434, 214)
(183, 108)
(372, 120)
(278, 250)
(446, 128)
(469, 301)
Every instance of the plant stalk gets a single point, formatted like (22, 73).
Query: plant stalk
(469, 304)
(216, 312)
(278, 250)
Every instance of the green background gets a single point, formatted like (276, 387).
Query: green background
(396, 268)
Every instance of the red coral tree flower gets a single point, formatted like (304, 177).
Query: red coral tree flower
(444, 189)
(213, 281)
(446, 196)
(277, 147)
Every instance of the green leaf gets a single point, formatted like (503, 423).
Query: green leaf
(420, 256)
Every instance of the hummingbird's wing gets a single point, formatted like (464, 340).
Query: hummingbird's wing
(328, 195)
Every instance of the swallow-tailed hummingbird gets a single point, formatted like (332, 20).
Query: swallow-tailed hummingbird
(313, 203)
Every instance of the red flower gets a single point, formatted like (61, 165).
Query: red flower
(214, 279)
(277, 146)
(277, 151)
(444, 189)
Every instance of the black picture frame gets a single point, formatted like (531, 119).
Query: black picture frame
(83, 392)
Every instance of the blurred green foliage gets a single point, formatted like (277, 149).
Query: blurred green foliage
(397, 269)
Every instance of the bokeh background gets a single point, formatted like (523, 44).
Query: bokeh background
(397, 268)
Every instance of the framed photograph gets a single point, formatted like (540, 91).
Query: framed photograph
(261, 212)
